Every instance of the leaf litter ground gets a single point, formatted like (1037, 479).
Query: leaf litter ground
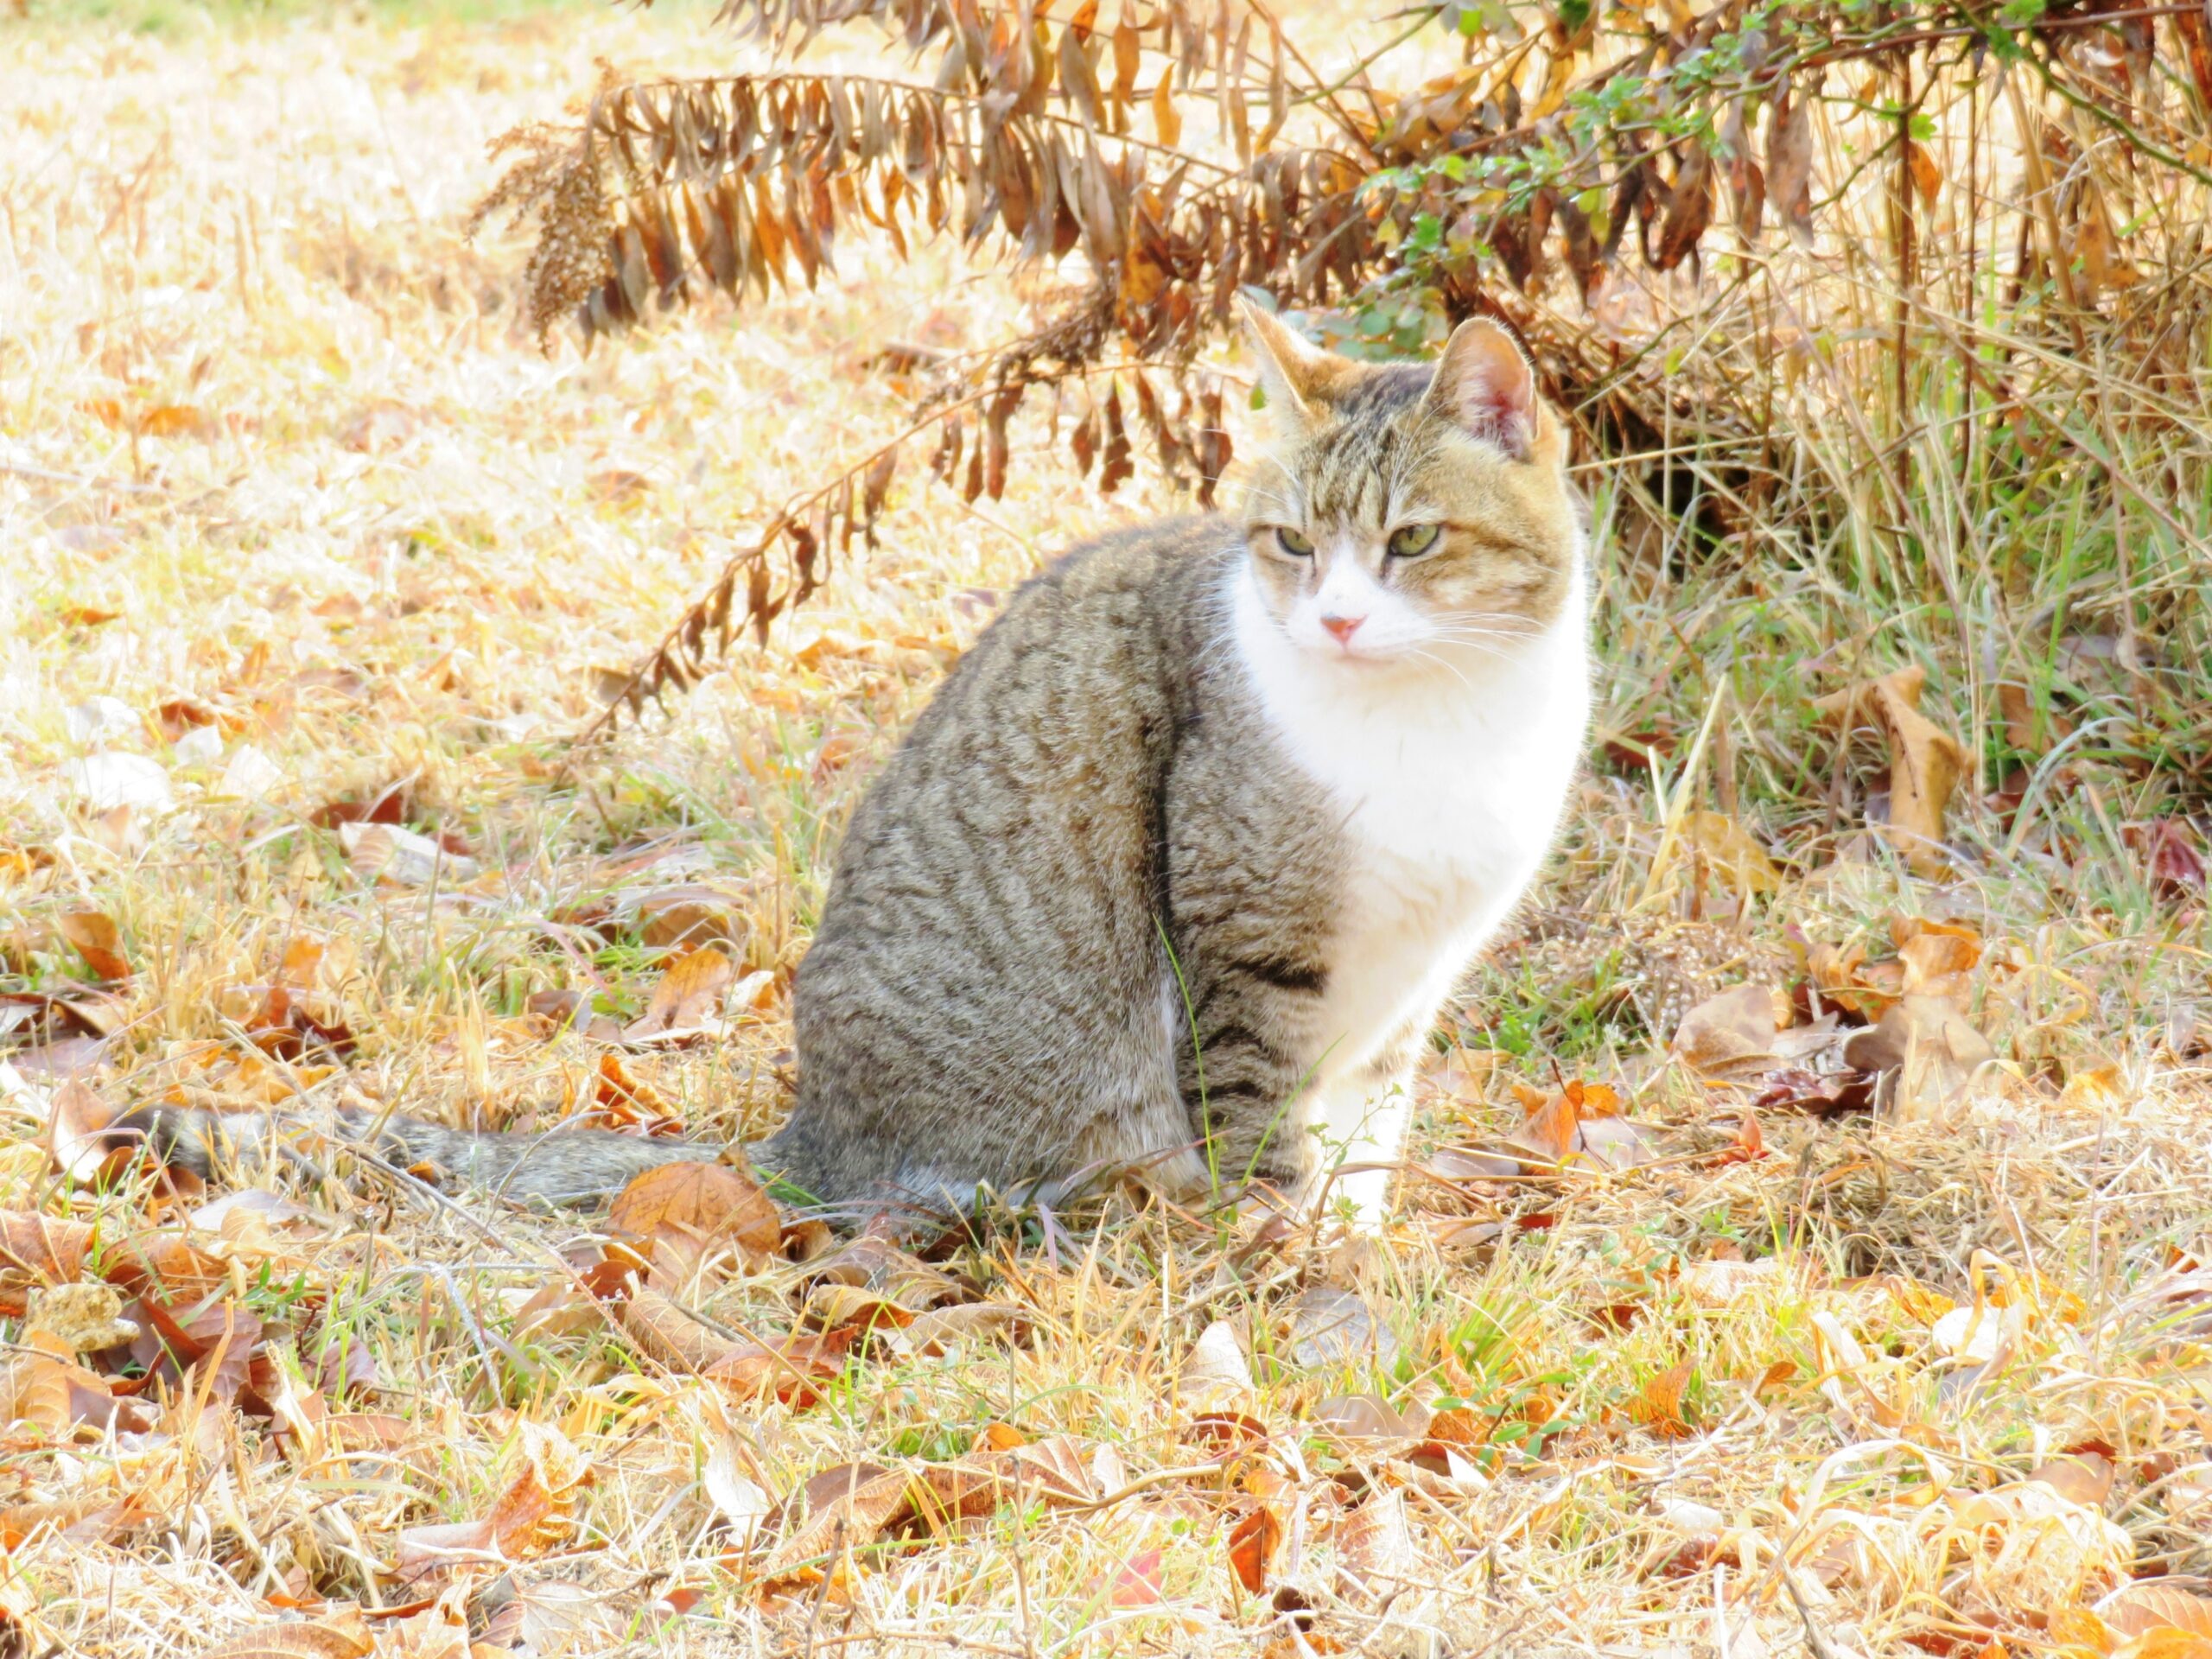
(1804, 1249)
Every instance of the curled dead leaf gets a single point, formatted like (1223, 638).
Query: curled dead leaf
(1925, 760)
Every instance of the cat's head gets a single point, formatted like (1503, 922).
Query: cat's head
(1410, 512)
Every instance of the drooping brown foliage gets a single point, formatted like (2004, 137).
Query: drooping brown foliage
(1648, 158)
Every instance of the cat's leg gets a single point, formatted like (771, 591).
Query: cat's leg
(1358, 1121)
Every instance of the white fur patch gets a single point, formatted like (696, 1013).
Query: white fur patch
(1451, 770)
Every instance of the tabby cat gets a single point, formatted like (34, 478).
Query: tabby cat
(1176, 870)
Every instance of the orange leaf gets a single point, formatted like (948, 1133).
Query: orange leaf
(689, 996)
(698, 1204)
(1659, 1407)
(342, 1636)
(1138, 1584)
(97, 941)
(50, 1248)
(1252, 1544)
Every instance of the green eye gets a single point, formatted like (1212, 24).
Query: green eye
(1412, 541)
(1293, 543)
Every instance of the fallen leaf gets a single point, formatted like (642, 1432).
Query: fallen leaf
(1375, 1545)
(386, 853)
(1925, 760)
(2082, 1478)
(1252, 1545)
(2137, 1610)
(789, 1369)
(345, 1636)
(1139, 1582)
(108, 781)
(1733, 1031)
(1658, 1405)
(98, 940)
(664, 1331)
(1328, 1327)
(838, 1509)
(1816, 1094)
(34, 1392)
(740, 1502)
(1927, 1048)
(1216, 1371)
(699, 1207)
(936, 1333)
(1729, 853)
(2171, 860)
(689, 917)
(688, 998)
(1841, 976)
(1362, 1417)
(49, 1249)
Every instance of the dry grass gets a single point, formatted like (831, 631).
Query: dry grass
(260, 402)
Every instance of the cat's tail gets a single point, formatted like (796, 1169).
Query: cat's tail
(560, 1166)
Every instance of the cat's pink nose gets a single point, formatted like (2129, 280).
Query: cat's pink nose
(1343, 627)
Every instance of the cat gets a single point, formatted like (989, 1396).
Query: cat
(1175, 872)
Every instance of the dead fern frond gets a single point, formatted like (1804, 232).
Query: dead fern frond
(1664, 160)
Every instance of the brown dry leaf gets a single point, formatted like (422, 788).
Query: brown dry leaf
(1216, 1373)
(1931, 1049)
(839, 1509)
(1734, 1031)
(690, 917)
(388, 853)
(340, 1636)
(1356, 1417)
(1789, 162)
(1658, 1406)
(1583, 1124)
(2165, 1642)
(1730, 854)
(429, 1550)
(830, 1305)
(2094, 1090)
(688, 999)
(34, 1392)
(2084, 1478)
(1547, 1125)
(1330, 1327)
(669, 1333)
(2075, 1630)
(937, 1332)
(1939, 957)
(1252, 1545)
(1375, 1545)
(2137, 1610)
(789, 1369)
(50, 1249)
(1843, 977)
(1925, 760)
(99, 941)
(698, 1206)
(879, 1265)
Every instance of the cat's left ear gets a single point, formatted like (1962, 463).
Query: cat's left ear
(1486, 386)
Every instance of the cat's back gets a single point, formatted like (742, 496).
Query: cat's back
(1063, 702)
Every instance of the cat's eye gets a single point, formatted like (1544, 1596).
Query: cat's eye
(1411, 541)
(1293, 543)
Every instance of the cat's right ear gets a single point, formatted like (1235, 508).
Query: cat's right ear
(1292, 373)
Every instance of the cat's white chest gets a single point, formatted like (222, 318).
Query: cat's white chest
(1451, 785)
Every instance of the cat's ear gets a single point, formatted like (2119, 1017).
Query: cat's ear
(1292, 373)
(1486, 386)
